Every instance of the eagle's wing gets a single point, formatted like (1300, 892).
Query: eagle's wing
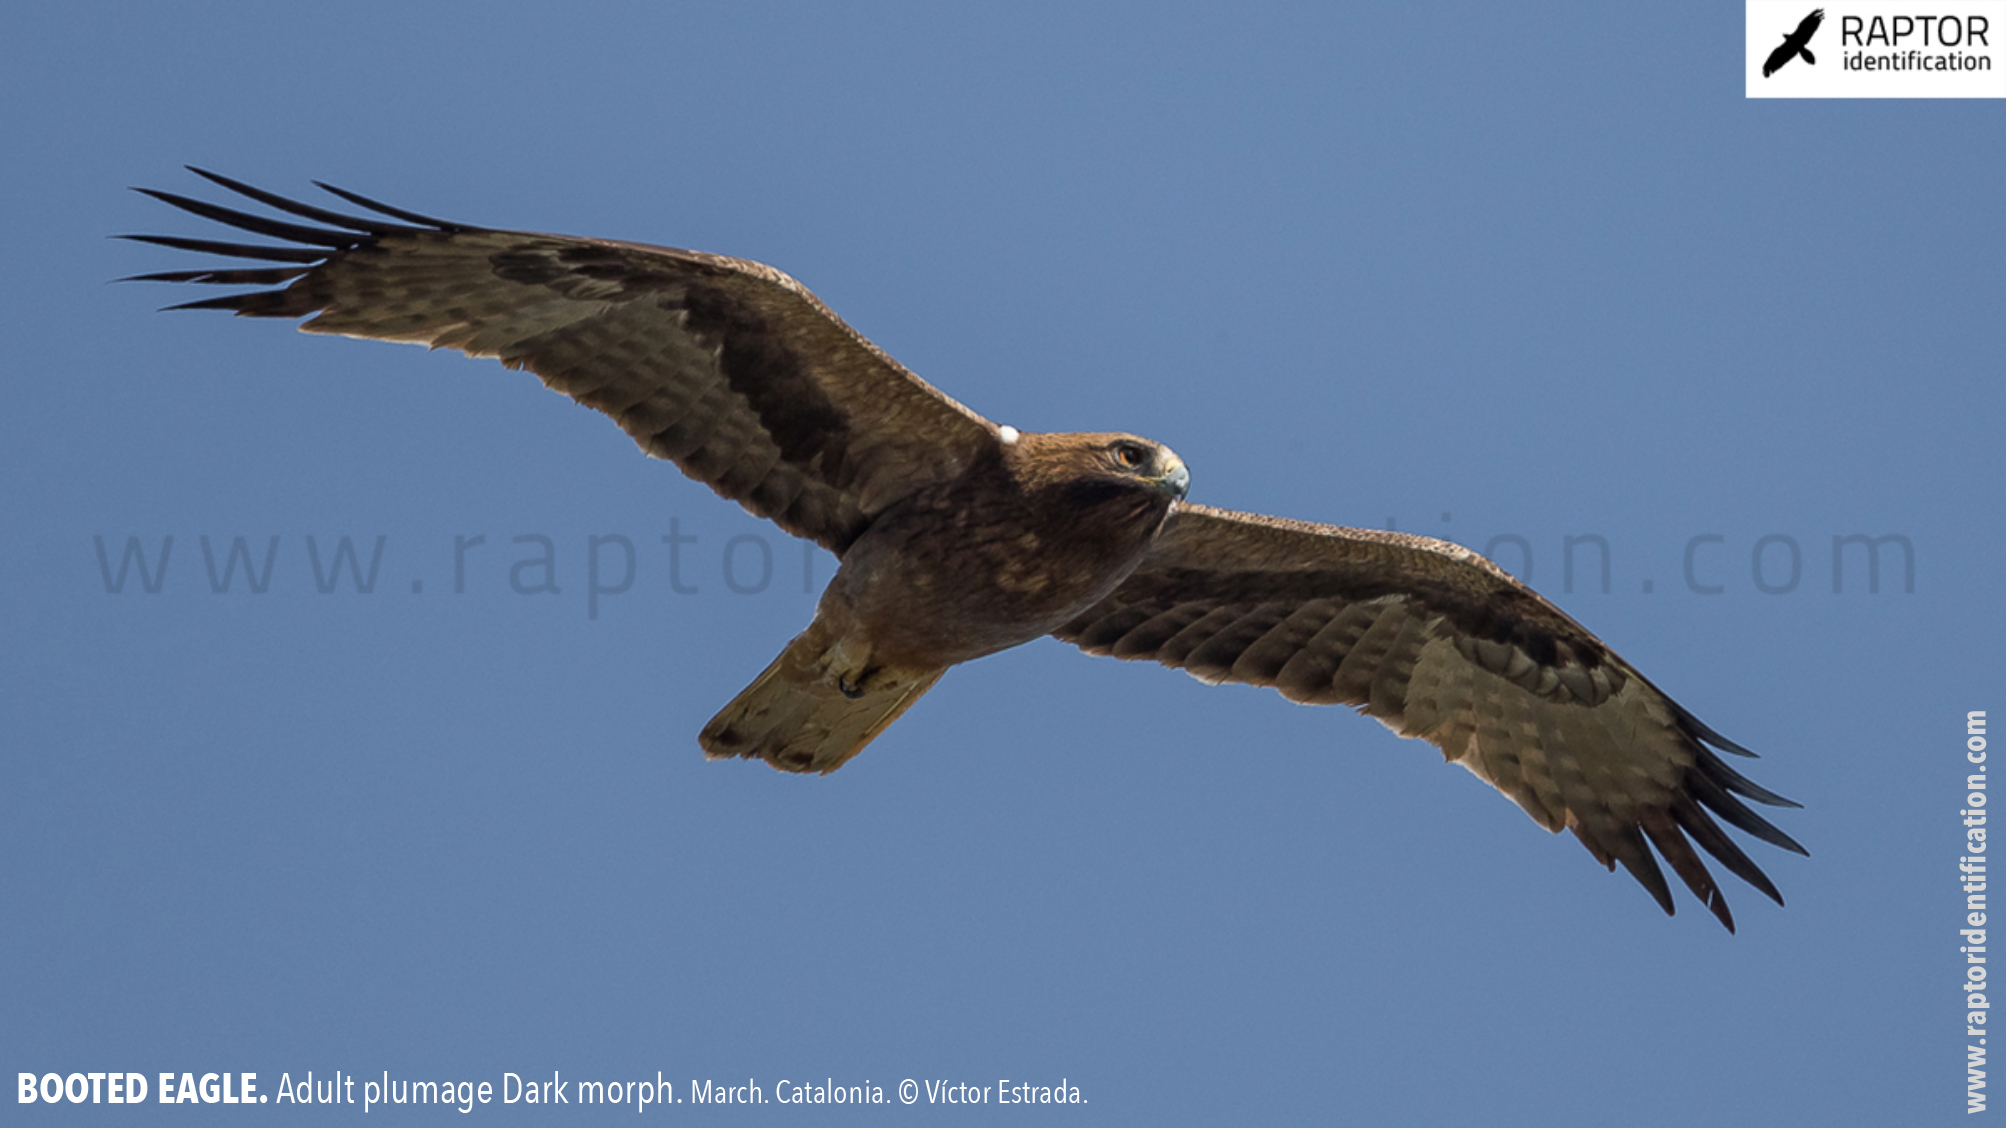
(1437, 642)
(730, 369)
(1808, 27)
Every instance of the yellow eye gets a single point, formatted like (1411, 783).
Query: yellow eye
(1130, 455)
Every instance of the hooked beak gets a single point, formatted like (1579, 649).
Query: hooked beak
(1175, 479)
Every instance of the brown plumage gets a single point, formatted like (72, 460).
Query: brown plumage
(959, 538)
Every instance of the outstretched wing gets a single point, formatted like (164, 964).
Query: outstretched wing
(1439, 643)
(730, 369)
(1808, 27)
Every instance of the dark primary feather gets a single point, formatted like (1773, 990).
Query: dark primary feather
(364, 201)
(730, 369)
(258, 225)
(228, 250)
(322, 215)
(1438, 643)
(215, 276)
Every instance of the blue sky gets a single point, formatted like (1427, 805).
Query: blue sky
(1480, 271)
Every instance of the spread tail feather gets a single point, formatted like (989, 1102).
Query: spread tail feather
(793, 719)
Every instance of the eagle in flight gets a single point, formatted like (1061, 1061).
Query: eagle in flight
(1794, 44)
(959, 538)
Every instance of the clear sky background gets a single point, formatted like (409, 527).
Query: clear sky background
(1478, 270)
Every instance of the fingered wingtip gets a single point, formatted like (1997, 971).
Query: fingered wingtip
(381, 208)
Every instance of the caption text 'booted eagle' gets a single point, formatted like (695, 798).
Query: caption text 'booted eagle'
(959, 538)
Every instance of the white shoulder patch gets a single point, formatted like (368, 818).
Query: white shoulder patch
(1007, 433)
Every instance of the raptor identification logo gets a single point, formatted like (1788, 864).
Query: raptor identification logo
(1875, 49)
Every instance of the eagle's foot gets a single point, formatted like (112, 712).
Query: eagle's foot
(849, 671)
(869, 681)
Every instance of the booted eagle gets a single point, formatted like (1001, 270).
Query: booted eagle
(959, 538)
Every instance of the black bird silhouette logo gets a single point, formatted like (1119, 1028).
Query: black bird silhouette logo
(1796, 43)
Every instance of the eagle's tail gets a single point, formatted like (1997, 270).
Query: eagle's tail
(1808, 56)
(792, 718)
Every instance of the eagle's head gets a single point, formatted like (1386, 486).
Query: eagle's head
(1091, 469)
(1152, 465)
(1113, 491)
